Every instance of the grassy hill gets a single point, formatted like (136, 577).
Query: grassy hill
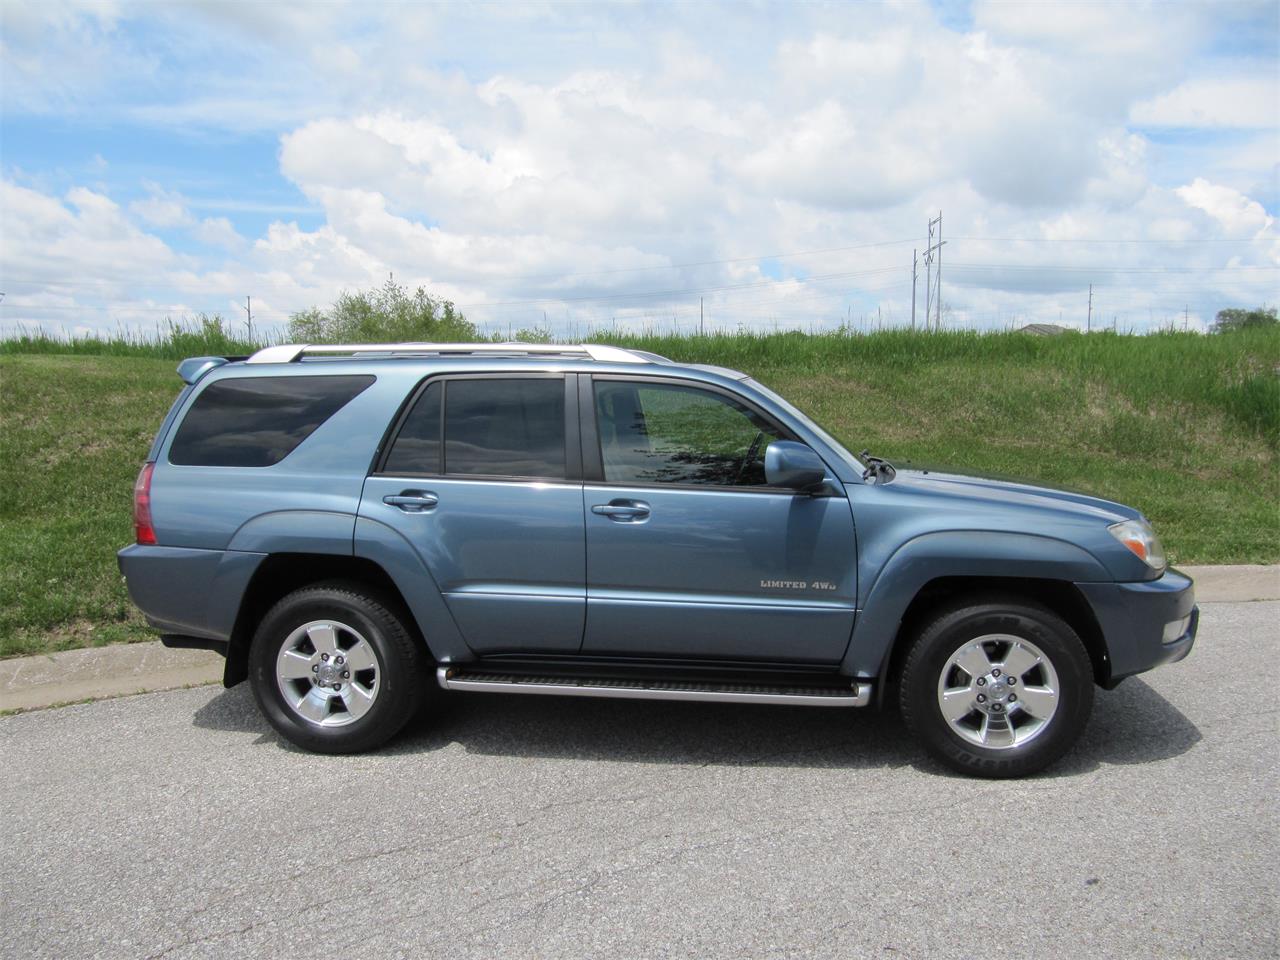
(1185, 427)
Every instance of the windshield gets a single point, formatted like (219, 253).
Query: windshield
(804, 418)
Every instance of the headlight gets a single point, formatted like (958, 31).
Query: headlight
(1142, 542)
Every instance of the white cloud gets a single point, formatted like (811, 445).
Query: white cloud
(218, 232)
(1238, 215)
(826, 157)
(1248, 101)
(586, 162)
(161, 208)
(55, 50)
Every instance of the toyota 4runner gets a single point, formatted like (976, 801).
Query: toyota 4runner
(358, 527)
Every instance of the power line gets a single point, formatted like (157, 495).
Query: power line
(757, 257)
(1108, 268)
(686, 292)
(707, 263)
(597, 273)
(1156, 290)
(1113, 240)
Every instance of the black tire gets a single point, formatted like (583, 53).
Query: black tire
(401, 668)
(957, 625)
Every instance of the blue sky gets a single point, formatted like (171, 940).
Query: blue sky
(616, 164)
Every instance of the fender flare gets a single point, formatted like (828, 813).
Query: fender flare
(296, 531)
(332, 533)
(390, 550)
(954, 553)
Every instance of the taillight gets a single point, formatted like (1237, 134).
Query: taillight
(143, 530)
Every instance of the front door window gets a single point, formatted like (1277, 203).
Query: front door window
(671, 434)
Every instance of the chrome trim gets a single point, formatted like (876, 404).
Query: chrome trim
(292, 352)
(859, 694)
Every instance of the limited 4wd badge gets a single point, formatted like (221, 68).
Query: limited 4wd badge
(797, 585)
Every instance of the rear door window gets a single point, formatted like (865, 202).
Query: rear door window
(258, 421)
(417, 446)
(489, 427)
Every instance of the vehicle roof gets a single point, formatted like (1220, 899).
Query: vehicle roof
(509, 355)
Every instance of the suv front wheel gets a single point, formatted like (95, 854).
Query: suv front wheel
(335, 670)
(1000, 688)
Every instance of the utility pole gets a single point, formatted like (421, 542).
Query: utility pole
(913, 289)
(938, 324)
(702, 330)
(248, 309)
(1088, 324)
(1186, 317)
(932, 277)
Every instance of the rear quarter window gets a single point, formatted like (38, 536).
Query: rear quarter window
(258, 421)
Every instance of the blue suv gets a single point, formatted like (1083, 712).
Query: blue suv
(360, 528)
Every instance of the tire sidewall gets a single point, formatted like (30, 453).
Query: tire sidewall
(388, 712)
(1058, 643)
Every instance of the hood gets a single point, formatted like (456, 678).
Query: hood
(1012, 493)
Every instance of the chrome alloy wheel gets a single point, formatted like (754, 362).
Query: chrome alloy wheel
(327, 673)
(998, 691)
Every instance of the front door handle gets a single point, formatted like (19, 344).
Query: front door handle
(413, 501)
(623, 511)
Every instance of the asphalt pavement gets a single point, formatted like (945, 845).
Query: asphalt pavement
(178, 825)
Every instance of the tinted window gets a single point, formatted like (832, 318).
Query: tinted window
(417, 445)
(504, 428)
(258, 421)
(662, 433)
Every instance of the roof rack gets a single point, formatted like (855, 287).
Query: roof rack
(294, 352)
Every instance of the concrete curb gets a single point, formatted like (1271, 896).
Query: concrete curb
(1240, 583)
(30, 683)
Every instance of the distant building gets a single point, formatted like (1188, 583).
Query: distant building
(1044, 329)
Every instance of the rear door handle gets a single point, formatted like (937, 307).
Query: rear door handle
(413, 501)
(623, 511)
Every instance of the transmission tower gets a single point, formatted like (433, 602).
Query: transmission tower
(933, 274)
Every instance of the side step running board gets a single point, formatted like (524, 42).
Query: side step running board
(455, 678)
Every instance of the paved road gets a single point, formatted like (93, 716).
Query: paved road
(177, 825)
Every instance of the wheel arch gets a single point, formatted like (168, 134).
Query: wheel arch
(934, 566)
(282, 573)
(1062, 597)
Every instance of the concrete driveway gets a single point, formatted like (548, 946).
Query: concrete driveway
(177, 825)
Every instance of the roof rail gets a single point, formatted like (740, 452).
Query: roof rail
(293, 352)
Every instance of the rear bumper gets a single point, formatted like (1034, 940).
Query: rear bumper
(192, 594)
(1144, 624)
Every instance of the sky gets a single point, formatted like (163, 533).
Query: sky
(639, 166)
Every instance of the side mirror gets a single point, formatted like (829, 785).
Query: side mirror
(793, 465)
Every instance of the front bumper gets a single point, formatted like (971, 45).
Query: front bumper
(1134, 618)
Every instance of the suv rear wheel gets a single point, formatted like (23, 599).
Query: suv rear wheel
(335, 670)
(997, 688)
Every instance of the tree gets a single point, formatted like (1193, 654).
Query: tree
(388, 314)
(1238, 319)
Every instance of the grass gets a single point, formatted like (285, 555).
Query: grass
(1184, 427)
(75, 429)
